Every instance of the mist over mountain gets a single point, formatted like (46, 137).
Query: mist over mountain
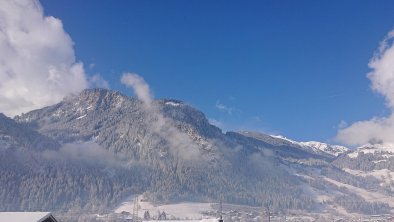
(92, 150)
(14, 135)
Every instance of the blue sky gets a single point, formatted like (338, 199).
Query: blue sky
(295, 68)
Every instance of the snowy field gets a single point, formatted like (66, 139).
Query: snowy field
(366, 194)
(186, 210)
(385, 175)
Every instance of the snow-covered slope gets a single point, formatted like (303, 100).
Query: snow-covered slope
(184, 210)
(334, 150)
(311, 146)
(385, 150)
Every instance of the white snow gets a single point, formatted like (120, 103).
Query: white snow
(384, 175)
(81, 116)
(284, 138)
(23, 216)
(58, 113)
(184, 210)
(366, 194)
(355, 172)
(330, 149)
(202, 220)
(119, 102)
(379, 161)
(317, 147)
(386, 148)
(172, 103)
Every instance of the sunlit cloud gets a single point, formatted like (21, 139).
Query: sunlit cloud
(37, 60)
(179, 143)
(377, 129)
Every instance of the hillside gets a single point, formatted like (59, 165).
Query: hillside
(100, 146)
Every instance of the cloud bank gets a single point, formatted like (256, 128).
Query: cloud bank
(86, 152)
(377, 129)
(37, 61)
(178, 142)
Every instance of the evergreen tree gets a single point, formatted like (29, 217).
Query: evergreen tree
(146, 215)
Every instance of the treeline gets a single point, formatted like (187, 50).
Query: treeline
(63, 186)
(356, 204)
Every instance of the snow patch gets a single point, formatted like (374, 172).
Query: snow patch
(170, 103)
(81, 117)
(119, 102)
(284, 138)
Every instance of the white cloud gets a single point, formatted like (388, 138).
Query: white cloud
(377, 129)
(229, 110)
(342, 124)
(37, 61)
(221, 106)
(216, 122)
(382, 65)
(140, 87)
(86, 152)
(97, 81)
(179, 143)
(92, 65)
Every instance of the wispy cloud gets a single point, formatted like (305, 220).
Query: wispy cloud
(97, 81)
(342, 124)
(216, 122)
(92, 65)
(377, 129)
(220, 106)
(86, 152)
(224, 108)
(179, 143)
(140, 87)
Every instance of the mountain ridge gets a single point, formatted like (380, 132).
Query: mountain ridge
(170, 152)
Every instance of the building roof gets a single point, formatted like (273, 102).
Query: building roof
(25, 216)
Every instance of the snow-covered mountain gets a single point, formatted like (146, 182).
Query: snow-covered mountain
(369, 157)
(314, 146)
(385, 150)
(92, 150)
(334, 150)
(310, 146)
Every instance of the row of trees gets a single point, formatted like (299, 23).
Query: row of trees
(160, 216)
